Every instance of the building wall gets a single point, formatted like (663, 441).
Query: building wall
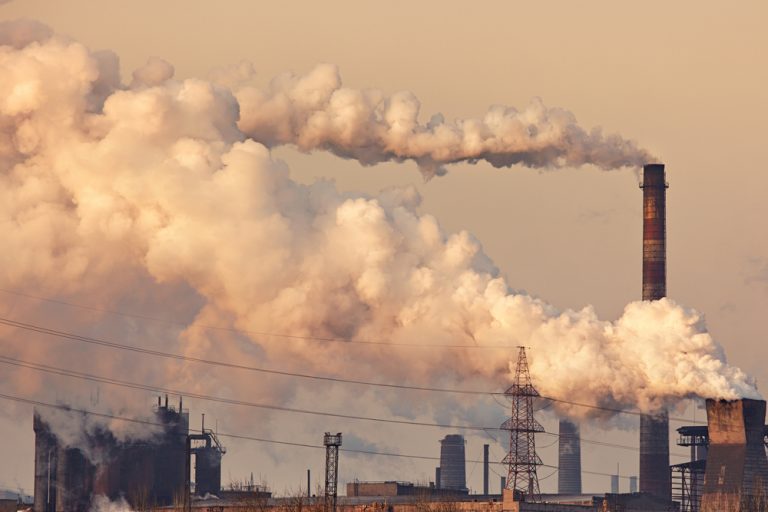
(8, 505)
(391, 489)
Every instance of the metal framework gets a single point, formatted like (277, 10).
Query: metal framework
(522, 460)
(688, 484)
(332, 443)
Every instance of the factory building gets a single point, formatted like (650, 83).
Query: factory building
(147, 472)
(394, 488)
(208, 451)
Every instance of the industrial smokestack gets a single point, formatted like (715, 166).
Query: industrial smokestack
(736, 475)
(452, 463)
(569, 459)
(654, 232)
(654, 430)
(485, 469)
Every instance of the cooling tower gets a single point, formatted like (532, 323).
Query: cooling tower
(452, 463)
(736, 477)
(569, 459)
(654, 430)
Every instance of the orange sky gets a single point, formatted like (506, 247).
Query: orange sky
(686, 79)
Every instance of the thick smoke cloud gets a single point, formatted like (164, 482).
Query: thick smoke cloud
(152, 195)
(316, 112)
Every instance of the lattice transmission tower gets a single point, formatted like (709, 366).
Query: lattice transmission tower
(332, 443)
(522, 426)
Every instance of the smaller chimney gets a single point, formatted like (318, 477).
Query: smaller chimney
(485, 469)
(503, 484)
(633, 484)
(437, 477)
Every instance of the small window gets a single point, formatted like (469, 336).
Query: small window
(721, 477)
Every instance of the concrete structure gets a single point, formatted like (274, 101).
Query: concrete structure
(452, 463)
(569, 459)
(654, 430)
(736, 477)
(614, 484)
(632, 484)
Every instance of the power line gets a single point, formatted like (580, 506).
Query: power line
(327, 339)
(145, 387)
(245, 437)
(230, 401)
(225, 364)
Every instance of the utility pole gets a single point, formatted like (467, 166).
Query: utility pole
(522, 460)
(187, 471)
(332, 443)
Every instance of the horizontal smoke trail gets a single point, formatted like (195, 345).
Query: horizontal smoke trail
(316, 112)
(150, 197)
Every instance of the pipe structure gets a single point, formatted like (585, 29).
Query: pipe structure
(569, 459)
(654, 430)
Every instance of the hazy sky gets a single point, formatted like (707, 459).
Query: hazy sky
(685, 79)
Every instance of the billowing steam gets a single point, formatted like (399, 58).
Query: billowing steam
(156, 195)
(314, 111)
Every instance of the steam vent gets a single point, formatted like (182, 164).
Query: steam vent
(654, 430)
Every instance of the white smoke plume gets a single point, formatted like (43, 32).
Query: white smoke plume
(150, 197)
(102, 504)
(316, 112)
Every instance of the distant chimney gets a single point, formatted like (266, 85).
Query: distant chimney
(453, 463)
(654, 430)
(615, 484)
(569, 459)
